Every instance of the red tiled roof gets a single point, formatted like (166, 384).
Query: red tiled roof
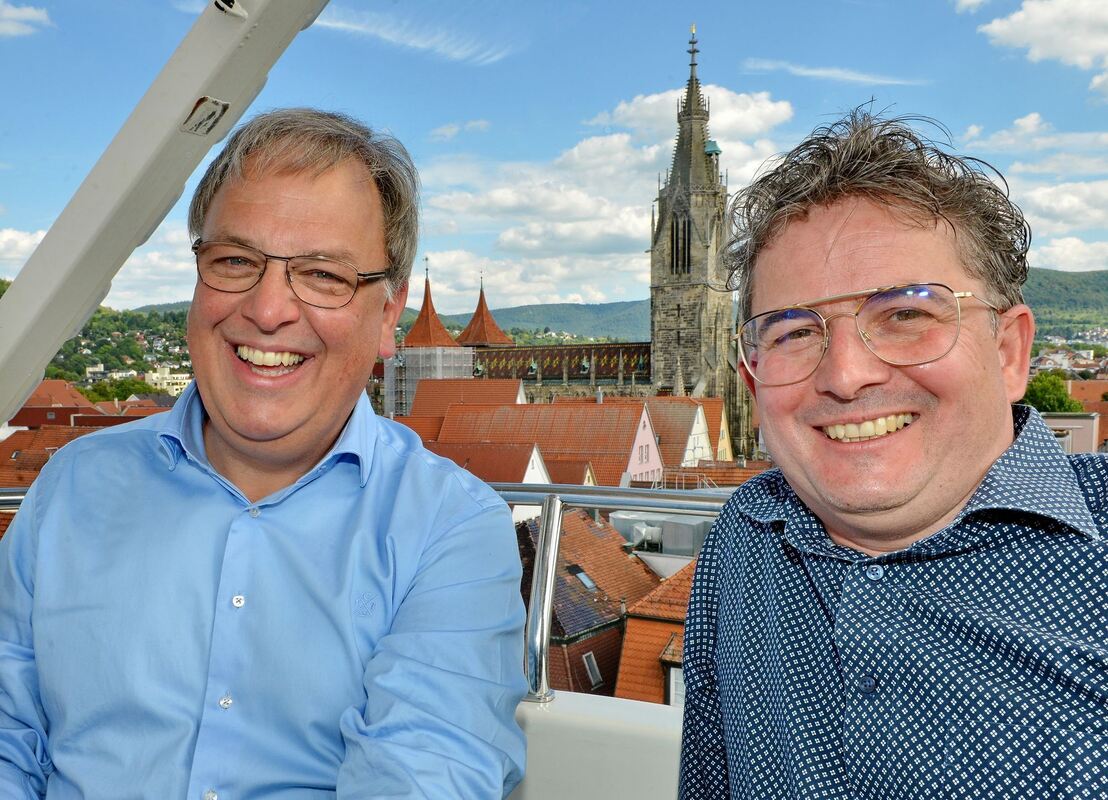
(121, 406)
(641, 674)
(428, 330)
(24, 453)
(143, 411)
(673, 419)
(603, 434)
(713, 415)
(670, 600)
(597, 549)
(568, 470)
(434, 395)
(427, 427)
(482, 329)
(53, 392)
(654, 635)
(504, 463)
(720, 475)
(1090, 391)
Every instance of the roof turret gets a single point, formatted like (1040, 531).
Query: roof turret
(482, 328)
(428, 330)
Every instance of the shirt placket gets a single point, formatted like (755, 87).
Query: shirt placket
(221, 720)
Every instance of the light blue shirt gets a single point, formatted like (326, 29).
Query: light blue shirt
(357, 634)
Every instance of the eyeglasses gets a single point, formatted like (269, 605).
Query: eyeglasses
(319, 281)
(901, 325)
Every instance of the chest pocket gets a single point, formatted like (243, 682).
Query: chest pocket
(990, 759)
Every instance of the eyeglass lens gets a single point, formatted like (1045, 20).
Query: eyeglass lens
(902, 326)
(236, 268)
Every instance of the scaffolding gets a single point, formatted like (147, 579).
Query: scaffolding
(404, 371)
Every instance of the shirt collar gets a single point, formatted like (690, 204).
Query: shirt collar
(1033, 476)
(183, 435)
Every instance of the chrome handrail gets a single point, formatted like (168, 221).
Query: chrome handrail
(554, 500)
(11, 497)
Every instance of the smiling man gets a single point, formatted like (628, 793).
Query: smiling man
(268, 592)
(912, 604)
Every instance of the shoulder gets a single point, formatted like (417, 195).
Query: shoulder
(403, 453)
(107, 444)
(1091, 471)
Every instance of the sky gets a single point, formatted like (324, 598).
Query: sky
(540, 128)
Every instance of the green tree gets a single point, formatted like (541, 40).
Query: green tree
(116, 390)
(1047, 392)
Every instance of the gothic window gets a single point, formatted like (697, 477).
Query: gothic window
(679, 245)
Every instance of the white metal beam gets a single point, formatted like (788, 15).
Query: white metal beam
(219, 67)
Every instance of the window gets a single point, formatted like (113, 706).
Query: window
(675, 687)
(594, 671)
(640, 453)
(582, 576)
(647, 451)
(49, 414)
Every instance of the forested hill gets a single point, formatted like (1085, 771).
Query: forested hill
(1065, 303)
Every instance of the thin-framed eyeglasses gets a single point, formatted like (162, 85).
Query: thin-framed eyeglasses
(903, 325)
(320, 281)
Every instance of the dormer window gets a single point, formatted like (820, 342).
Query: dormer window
(582, 576)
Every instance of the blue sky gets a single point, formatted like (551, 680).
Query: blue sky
(540, 128)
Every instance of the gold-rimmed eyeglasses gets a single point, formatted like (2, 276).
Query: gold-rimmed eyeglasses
(319, 281)
(902, 325)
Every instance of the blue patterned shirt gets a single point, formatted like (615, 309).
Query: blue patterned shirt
(358, 634)
(973, 664)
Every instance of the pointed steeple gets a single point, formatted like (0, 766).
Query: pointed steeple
(428, 330)
(482, 328)
(692, 166)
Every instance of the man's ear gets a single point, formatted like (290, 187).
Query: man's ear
(1013, 341)
(394, 307)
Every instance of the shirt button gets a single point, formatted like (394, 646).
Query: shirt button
(238, 601)
(210, 795)
(875, 572)
(867, 684)
(225, 701)
(255, 511)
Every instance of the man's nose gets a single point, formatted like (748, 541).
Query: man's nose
(272, 303)
(848, 366)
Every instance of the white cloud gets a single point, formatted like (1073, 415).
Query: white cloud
(161, 271)
(1062, 164)
(735, 115)
(1070, 254)
(21, 20)
(962, 6)
(417, 34)
(1033, 133)
(1074, 32)
(839, 74)
(1065, 207)
(455, 276)
(15, 248)
(452, 129)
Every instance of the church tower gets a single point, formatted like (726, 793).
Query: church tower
(691, 319)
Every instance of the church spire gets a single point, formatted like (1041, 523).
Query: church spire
(693, 167)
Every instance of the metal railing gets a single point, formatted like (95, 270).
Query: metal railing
(554, 499)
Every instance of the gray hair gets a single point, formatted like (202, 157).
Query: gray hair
(306, 139)
(884, 160)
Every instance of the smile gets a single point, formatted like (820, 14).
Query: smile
(870, 429)
(284, 361)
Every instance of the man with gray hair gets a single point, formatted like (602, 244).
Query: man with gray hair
(315, 606)
(912, 604)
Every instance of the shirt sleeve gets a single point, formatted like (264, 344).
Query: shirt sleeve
(443, 685)
(704, 774)
(24, 762)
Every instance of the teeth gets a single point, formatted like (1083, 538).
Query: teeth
(870, 429)
(264, 358)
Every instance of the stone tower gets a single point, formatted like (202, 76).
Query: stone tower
(691, 318)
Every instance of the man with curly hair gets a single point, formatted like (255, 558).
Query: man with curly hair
(911, 605)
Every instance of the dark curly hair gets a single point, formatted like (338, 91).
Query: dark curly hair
(885, 160)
